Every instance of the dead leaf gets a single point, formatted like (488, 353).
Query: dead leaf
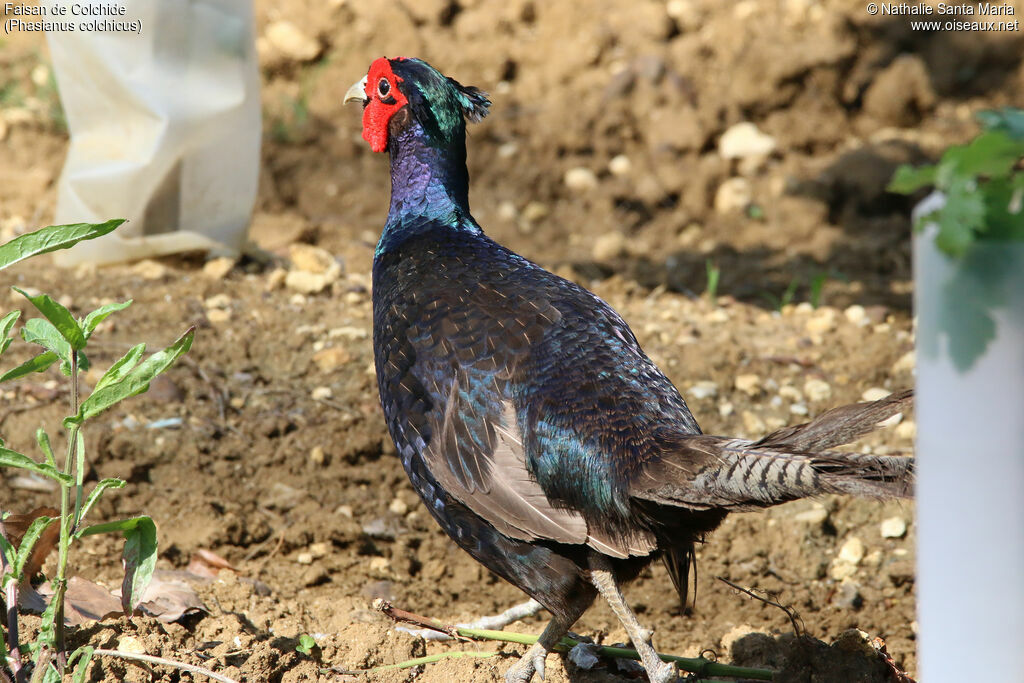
(167, 598)
(207, 563)
(17, 525)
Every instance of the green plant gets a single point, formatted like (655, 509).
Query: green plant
(306, 644)
(64, 339)
(983, 184)
(713, 273)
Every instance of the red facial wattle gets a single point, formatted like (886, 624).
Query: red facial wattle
(378, 111)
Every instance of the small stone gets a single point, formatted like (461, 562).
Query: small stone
(875, 394)
(305, 282)
(535, 211)
(331, 358)
(580, 179)
(894, 527)
(304, 558)
(321, 393)
(131, 645)
(398, 506)
(507, 211)
(583, 656)
(311, 259)
(379, 564)
(290, 41)
(276, 278)
(754, 425)
(620, 165)
(40, 75)
(218, 316)
(704, 389)
(790, 393)
(841, 570)
(148, 269)
(749, 384)
(608, 246)
(349, 332)
(816, 514)
(744, 140)
(799, 409)
(817, 389)
(345, 511)
(852, 550)
(735, 194)
(857, 315)
(319, 549)
(218, 301)
(906, 363)
(317, 455)
(726, 408)
(907, 430)
(218, 268)
(847, 595)
(822, 321)
(508, 150)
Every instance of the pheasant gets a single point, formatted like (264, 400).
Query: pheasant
(537, 432)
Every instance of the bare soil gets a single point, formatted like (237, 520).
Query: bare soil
(282, 464)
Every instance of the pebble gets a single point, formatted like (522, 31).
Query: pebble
(218, 268)
(580, 179)
(608, 246)
(344, 511)
(857, 315)
(507, 211)
(852, 550)
(218, 316)
(349, 332)
(744, 140)
(748, 383)
(907, 430)
(305, 282)
(319, 549)
(276, 278)
(131, 645)
(317, 455)
(321, 393)
(906, 363)
(290, 41)
(754, 425)
(817, 389)
(398, 506)
(311, 259)
(726, 408)
(218, 301)
(733, 195)
(331, 358)
(735, 634)
(508, 150)
(620, 165)
(304, 558)
(704, 389)
(799, 409)
(875, 394)
(535, 211)
(817, 514)
(379, 564)
(894, 527)
(790, 393)
(148, 269)
(822, 321)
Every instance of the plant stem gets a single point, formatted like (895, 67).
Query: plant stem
(60, 583)
(11, 601)
(191, 668)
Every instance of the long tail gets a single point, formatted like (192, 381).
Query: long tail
(708, 472)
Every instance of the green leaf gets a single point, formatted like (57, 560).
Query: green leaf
(907, 179)
(100, 314)
(960, 219)
(1010, 120)
(134, 382)
(51, 239)
(10, 556)
(306, 644)
(122, 367)
(9, 458)
(42, 332)
(43, 439)
(28, 541)
(992, 154)
(94, 495)
(37, 364)
(84, 655)
(59, 316)
(139, 555)
(7, 323)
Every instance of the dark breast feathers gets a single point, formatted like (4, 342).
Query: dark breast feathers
(517, 394)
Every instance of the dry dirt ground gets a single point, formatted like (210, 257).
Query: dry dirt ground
(281, 463)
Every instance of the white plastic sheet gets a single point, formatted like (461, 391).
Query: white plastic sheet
(165, 129)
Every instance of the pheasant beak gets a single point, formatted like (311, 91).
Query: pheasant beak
(357, 93)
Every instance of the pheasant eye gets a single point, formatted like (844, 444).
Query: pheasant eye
(383, 88)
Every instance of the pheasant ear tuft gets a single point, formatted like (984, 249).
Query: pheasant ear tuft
(474, 101)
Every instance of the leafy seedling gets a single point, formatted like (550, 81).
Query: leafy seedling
(64, 339)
